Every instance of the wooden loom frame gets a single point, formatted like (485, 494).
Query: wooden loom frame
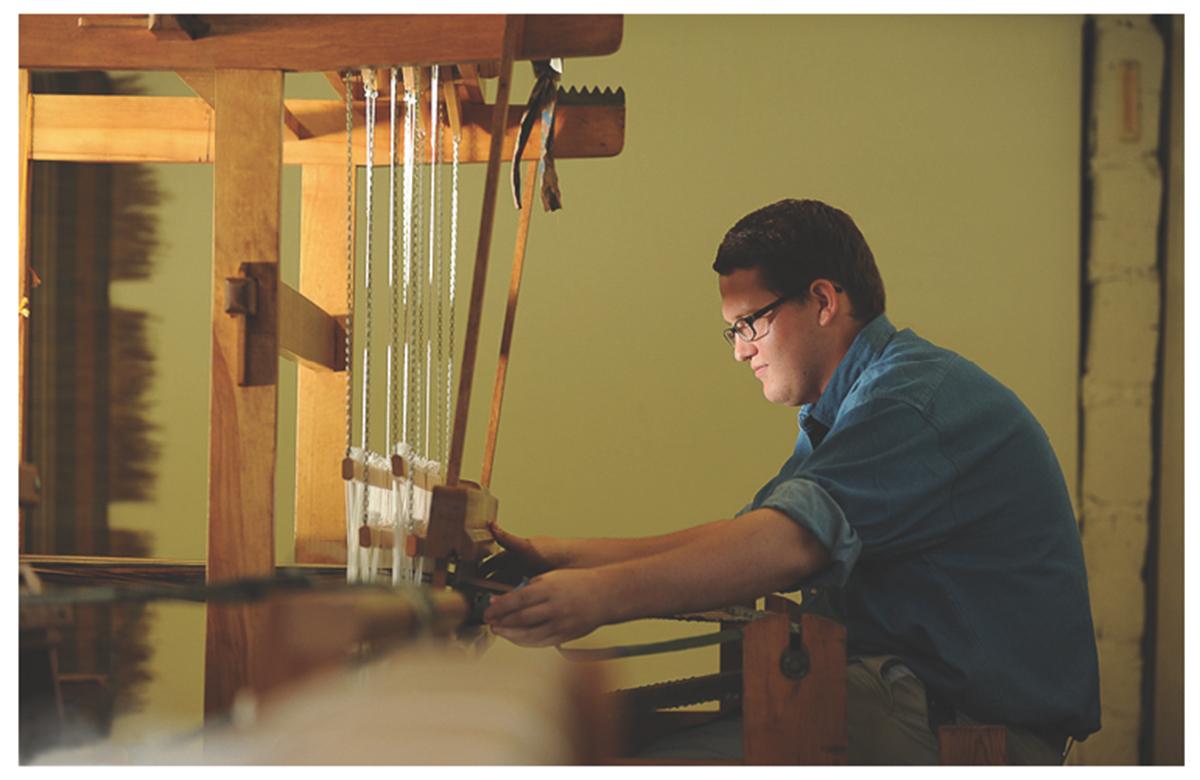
(241, 124)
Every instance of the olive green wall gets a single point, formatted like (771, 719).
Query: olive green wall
(953, 142)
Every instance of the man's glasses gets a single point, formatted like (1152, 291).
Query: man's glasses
(743, 327)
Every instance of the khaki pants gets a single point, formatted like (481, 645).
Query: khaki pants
(888, 723)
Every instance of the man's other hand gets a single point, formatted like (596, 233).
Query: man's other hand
(521, 556)
(552, 608)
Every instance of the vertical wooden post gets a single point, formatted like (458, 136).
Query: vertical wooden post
(513, 27)
(779, 720)
(321, 395)
(246, 201)
(25, 139)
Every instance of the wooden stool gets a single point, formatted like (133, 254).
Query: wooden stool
(972, 745)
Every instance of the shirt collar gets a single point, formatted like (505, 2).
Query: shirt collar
(866, 346)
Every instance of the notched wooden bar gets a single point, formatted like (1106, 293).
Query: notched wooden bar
(138, 129)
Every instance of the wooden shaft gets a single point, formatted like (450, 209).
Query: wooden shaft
(246, 197)
(512, 32)
(510, 318)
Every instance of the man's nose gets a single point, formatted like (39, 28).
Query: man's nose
(743, 350)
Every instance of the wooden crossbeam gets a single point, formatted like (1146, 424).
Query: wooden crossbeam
(308, 334)
(138, 129)
(309, 42)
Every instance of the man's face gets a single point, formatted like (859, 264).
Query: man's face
(792, 360)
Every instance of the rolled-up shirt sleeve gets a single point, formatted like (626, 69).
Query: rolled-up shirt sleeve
(812, 508)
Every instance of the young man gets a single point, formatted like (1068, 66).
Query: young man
(919, 485)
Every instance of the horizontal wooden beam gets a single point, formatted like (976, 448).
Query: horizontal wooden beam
(83, 570)
(137, 129)
(308, 334)
(309, 42)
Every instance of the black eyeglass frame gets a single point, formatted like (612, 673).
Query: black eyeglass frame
(732, 331)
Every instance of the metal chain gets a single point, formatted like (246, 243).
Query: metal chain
(438, 271)
(371, 93)
(393, 346)
(410, 146)
(420, 426)
(407, 240)
(347, 85)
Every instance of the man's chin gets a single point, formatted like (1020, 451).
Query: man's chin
(777, 396)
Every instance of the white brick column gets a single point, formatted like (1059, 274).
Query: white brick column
(1122, 331)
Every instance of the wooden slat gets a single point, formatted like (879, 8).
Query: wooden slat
(297, 129)
(453, 109)
(321, 396)
(299, 42)
(109, 128)
(246, 203)
(95, 128)
(308, 334)
(532, 183)
(512, 33)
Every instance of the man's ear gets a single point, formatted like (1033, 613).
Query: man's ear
(828, 303)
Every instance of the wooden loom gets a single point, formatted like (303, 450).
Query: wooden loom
(240, 123)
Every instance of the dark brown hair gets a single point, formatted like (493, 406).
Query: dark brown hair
(795, 242)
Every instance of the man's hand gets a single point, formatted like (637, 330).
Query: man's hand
(552, 608)
(525, 557)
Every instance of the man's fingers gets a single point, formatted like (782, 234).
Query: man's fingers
(506, 540)
(528, 617)
(514, 601)
(538, 636)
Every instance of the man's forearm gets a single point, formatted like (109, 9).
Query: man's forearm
(589, 553)
(725, 562)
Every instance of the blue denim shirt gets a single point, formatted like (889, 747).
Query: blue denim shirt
(949, 526)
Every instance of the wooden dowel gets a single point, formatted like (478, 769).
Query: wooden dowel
(510, 318)
(512, 31)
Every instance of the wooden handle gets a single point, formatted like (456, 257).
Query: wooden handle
(512, 33)
(510, 318)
